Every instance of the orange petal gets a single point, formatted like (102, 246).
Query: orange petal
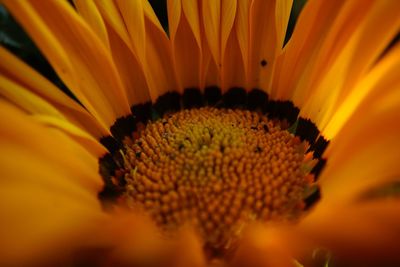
(133, 17)
(129, 69)
(234, 65)
(82, 137)
(40, 108)
(184, 29)
(282, 14)
(83, 163)
(90, 13)
(312, 25)
(380, 80)
(364, 154)
(365, 234)
(147, 41)
(228, 14)
(218, 19)
(242, 26)
(188, 250)
(25, 99)
(327, 54)
(262, 246)
(111, 15)
(76, 53)
(159, 68)
(48, 190)
(134, 239)
(363, 36)
(267, 30)
(28, 78)
(211, 12)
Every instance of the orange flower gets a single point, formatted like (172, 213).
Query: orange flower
(300, 140)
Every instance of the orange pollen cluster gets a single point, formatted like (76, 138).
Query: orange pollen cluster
(217, 169)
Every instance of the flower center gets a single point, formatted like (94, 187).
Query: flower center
(217, 169)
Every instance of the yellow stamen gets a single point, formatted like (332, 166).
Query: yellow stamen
(217, 169)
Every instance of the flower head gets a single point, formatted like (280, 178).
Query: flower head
(217, 144)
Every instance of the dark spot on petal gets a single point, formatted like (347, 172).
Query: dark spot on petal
(263, 63)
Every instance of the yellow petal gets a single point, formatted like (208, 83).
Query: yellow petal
(133, 17)
(233, 67)
(262, 246)
(130, 70)
(160, 69)
(46, 113)
(111, 15)
(151, 16)
(40, 108)
(76, 53)
(26, 100)
(174, 9)
(211, 12)
(267, 30)
(348, 18)
(90, 13)
(189, 250)
(135, 240)
(242, 26)
(282, 14)
(162, 77)
(129, 63)
(362, 37)
(192, 13)
(83, 162)
(28, 78)
(228, 14)
(184, 31)
(311, 27)
(382, 78)
(210, 72)
(364, 154)
(363, 234)
(17, 70)
(327, 54)
(82, 137)
(233, 72)
(218, 19)
(48, 190)
(148, 42)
